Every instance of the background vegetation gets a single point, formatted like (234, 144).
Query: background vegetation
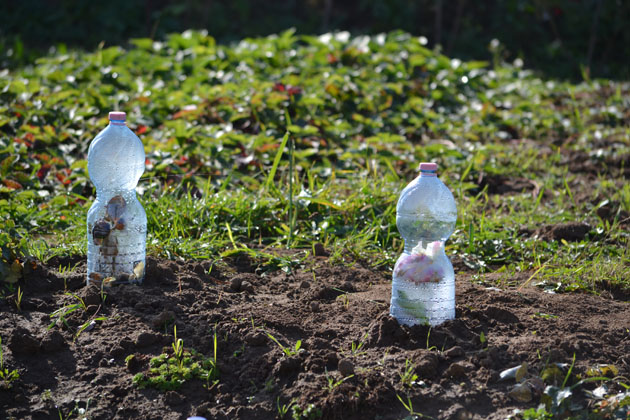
(519, 152)
(562, 38)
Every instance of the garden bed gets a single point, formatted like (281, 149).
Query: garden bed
(316, 336)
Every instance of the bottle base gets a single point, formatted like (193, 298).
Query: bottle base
(434, 321)
(106, 274)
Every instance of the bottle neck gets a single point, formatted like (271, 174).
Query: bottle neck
(117, 122)
(409, 247)
(104, 194)
(428, 247)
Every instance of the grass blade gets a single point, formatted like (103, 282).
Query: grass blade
(276, 160)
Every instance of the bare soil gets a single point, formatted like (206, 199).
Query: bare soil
(328, 307)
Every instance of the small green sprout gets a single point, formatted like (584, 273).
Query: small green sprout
(332, 383)
(7, 376)
(408, 378)
(355, 347)
(409, 407)
(289, 352)
(178, 347)
(18, 299)
(62, 313)
(284, 408)
(309, 413)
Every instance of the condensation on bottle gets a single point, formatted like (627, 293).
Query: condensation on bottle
(423, 280)
(116, 222)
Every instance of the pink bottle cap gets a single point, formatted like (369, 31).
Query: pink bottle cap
(117, 116)
(428, 169)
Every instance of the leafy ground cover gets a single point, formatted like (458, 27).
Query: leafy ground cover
(538, 168)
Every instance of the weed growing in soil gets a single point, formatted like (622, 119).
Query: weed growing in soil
(543, 315)
(178, 347)
(355, 347)
(408, 377)
(310, 412)
(557, 389)
(558, 399)
(7, 376)
(344, 300)
(76, 411)
(64, 270)
(46, 395)
(409, 407)
(18, 299)
(88, 325)
(169, 370)
(332, 383)
(539, 413)
(432, 348)
(283, 409)
(62, 313)
(288, 351)
(483, 340)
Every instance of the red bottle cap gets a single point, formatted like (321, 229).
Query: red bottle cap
(117, 116)
(428, 169)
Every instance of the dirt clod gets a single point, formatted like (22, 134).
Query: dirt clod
(200, 270)
(383, 330)
(256, 338)
(247, 287)
(346, 367)
(320, 250)
(204, 409)
(91, 295)
(235, 284)
(427, 365)
(22, 343)
(52, 341)
(501, 315)
(454, 352)
(571, 231)
(243, 282)
(146, 339)
(500, 184)
(286, 366)
(456, 370)
(163, 319)
(173, 398)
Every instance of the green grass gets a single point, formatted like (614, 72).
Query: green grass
(223, 175)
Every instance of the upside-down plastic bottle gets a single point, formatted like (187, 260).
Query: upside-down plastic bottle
(423, 287)
(116, 222)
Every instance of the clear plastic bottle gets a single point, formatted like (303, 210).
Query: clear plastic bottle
(116, 222)
(423, 287)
